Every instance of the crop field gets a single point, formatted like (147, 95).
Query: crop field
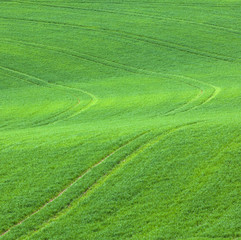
(120, 119)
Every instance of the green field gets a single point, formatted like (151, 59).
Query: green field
(120, 119)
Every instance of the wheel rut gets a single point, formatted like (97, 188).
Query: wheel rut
(138, 37)
(42, 83)
(83, 56)
(139, 14)
(73, 182)
(100, 181)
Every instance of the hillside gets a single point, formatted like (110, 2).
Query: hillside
(120, 119)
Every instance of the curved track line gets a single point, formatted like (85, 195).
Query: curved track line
(58, 116)
(74, 182)
(104, 178)
(51, 117)
(40, 123)
(142, 148)
(9, 146)
(90, 104)
(215, 92)
(140, 37)
(100, 61)
(212, 96)
(124, 67)
(179, 110)
(143, 15)
(182, 108)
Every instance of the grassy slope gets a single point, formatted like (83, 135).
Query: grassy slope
(131, 107)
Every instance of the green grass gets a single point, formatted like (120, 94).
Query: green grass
(120, 119)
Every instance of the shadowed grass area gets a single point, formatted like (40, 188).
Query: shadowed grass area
(120, 119)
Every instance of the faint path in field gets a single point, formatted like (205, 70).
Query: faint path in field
(104, 178)
(138, 70)
(138, 14)
(138, 37)
(57, 115)
(41, 82)
(96, 184)
(74, 182)
(215, 91)
(180, 20)
(136, 152)
(83, 56)
(182, 108)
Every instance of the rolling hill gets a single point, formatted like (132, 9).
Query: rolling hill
(120, 119)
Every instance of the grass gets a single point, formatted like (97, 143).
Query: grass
(120, 119)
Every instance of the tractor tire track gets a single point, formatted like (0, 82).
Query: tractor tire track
(74, 182)
(180, 20)
(56, 86)
(179, 110)
(215, 91)
(113, 64)
(139, 37)
(98, 60)
(40, 123)
(58, 116)
(131, 156)
(104, 178)
(137, 14)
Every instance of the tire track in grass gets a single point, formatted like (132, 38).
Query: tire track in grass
(41, 82)
(103, 62)
(131, 156)
(51, 117)
(215, 91)
(180, 109)
(113, 64)
(22, 79)
(139, 37)
(137, 14)
(181, 20)
(149, 71)
(91, 102)
(74, 182)
(151, 43)
(131, 69)
(34, 83)
(104, 178)
(8, 147)
(183, 107)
